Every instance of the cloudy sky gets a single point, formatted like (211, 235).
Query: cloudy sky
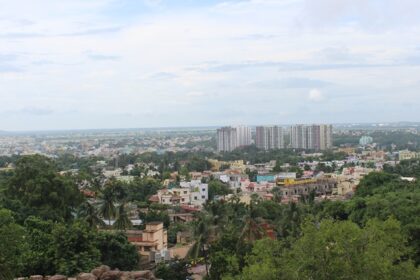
(148, 63)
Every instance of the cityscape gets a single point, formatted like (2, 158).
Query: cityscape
(163, 180)
(209, 140)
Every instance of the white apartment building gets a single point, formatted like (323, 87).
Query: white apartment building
(227, 139)
(190, 193)
(269, 137)
(313, 137)
(243, 134)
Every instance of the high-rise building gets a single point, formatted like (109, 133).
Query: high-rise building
(298, 136)
(227, 139)
(269, 137)
(230, 138)
(311, 137)
(325, 137)
(243, 134)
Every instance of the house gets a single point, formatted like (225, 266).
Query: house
(188, 193)
(152, 239)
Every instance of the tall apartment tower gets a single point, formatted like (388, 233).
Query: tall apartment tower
(269, 137)
(313, 137)
(326, 141)
(298, 136)
(227, 139)
(243, 134)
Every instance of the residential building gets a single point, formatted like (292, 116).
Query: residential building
(154, 238)
(189, 193)
(311, 137)
(406, 155)
(243, 134)
(227, 139)
(269, 137)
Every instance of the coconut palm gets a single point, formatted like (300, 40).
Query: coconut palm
(252, 229)
(203, 232)
(122, 222)
(106, 205)
(89, 212)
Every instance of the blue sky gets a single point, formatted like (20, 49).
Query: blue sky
(148, 63)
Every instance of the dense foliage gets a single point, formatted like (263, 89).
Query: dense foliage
(40, 232)
(372, 236)
(406, 168)
(48, 227)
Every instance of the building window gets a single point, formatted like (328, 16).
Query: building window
(203, 196)
(195, 197)
(183, 199)
(203, 190)
(185, 192)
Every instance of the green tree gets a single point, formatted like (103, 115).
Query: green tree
(142, 188)
(123, 221)
(342, 250)
(116, 251)
(74, 248)
(175, 270)
(217, 187)
(37, 189)
(39, 259)
(203, 232)
(90, 214)
(373, 181)
(263, 262)
(107, 201)
(12, 246)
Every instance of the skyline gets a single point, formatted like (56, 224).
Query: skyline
(123, 64)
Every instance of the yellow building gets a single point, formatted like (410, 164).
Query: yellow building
(153, 238)
(406, 155)
(235, 164)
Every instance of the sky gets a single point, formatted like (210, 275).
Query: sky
(81, 64)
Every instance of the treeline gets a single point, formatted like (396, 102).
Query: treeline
(385, 139)
(406, 168)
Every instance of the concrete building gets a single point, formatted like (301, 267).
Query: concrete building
(227, 139)
(243, 134)
(189, 193)
(303, 187)
(269, 137)
(311, 137)
(406, 155)
(154, 238)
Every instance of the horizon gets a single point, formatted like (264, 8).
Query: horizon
(401, 124)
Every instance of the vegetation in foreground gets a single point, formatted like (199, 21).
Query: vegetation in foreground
(48, 227)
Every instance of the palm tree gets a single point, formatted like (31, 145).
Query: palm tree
(290, 220)
(106, 205)
(122, 222)
(202, 233)
(89, 213)
(252, 229)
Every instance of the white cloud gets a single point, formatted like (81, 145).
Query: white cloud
(316, 95)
